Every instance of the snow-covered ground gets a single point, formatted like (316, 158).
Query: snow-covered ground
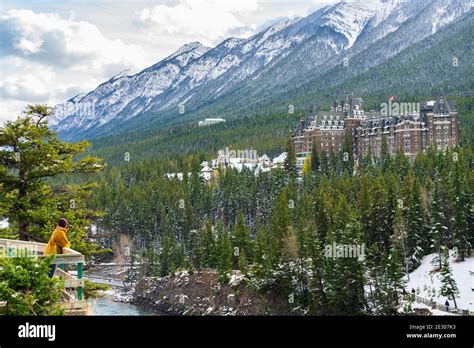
(427, 283)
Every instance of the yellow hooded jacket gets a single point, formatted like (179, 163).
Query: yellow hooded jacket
(57, 242)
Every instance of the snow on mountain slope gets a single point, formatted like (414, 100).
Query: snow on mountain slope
(448, 11)
(427, 283)
(182, 56)
(408, 23)
(110, 98)
(350, 18)
(189, 67)
(255, 55)
(175, 79)
(290, 50)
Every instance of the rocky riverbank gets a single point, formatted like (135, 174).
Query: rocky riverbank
(201, 294)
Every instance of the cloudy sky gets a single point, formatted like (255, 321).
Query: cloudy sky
(51, 50)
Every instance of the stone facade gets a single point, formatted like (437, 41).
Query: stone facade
(434, 123)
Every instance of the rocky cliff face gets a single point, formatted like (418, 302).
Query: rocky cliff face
(201, 294)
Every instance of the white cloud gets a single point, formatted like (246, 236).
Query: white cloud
(10, 110)
(50, 39)
(208, 21)
(47, 59)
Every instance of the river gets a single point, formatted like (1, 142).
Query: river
(107, 306)
(107, 274)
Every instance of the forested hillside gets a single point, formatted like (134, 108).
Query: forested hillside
(278, 230)
(275, 227)
(417, 73)
(377, 48)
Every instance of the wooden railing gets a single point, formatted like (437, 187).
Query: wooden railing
(430, 303)
(434, 305)
(19, 248)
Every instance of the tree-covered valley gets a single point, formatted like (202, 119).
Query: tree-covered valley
(274, 227)
(130, 171)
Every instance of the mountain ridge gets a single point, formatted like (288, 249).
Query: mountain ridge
(286, 55)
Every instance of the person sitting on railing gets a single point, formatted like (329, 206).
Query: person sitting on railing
(57, 242)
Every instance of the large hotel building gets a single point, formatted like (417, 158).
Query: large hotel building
(410, 126)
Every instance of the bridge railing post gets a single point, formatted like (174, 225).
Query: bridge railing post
(80, 272)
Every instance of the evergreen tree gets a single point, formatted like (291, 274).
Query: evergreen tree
(438, 226)
(395, 274)
(279, 226)
(388, 281)
(263, 260)
(345, 273)
(27, 289)
(166, 255)
(400, 240)
(242, 241)
(417, 231)
(325, 163)
(448, 283)
(30, 153)
(225, 256)
(319, 304)
(242, 263)
(315, 161)
(347, 155)
(380, 224)
(290, 161)
(207, 247)
(461, 204)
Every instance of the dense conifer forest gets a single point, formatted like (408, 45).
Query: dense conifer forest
(275, 227)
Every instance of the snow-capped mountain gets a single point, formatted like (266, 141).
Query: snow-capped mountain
(125, 95)
(286, 54)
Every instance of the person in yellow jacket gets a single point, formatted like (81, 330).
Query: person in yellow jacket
(57, 242)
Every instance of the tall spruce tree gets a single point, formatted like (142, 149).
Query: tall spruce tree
(315, 161)
(30, 154)
(280, 224)
(290, 161)
(225, 256)
(449, 287)
(207, 247)
(242, 242)
(319, 304)
(461, 206)
(345, 272)
(417, 230)
(439, 229)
